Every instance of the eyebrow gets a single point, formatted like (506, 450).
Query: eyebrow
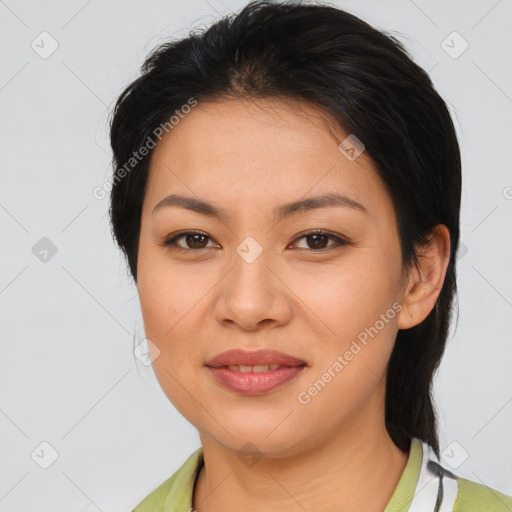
(280, 212)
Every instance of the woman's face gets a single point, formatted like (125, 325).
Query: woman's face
(256, 280)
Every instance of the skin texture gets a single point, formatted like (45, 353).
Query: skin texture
(332, 453)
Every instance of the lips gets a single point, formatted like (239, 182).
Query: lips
(255, 358)
(254, 373)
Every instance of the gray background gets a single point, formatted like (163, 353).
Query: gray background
(69, 320)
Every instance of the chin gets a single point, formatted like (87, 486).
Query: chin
(277, 448)
(240, 437)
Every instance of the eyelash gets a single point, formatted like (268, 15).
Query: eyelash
(171, 241)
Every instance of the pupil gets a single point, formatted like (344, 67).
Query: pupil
(316, 237)
(194, 237)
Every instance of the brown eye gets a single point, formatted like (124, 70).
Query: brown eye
(317, 240)
(196, 241)
(193, 240)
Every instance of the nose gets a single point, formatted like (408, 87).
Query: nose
(254, 292)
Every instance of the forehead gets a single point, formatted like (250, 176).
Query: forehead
(240, 150)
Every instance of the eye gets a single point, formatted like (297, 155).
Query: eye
(318, 239)
(194, 240)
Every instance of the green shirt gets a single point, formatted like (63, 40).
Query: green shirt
(416, 491)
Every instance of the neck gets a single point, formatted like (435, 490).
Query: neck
(358, 468)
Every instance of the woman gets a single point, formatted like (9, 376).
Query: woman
(287, 194)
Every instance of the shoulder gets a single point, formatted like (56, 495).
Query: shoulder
(475, 497)
(156, 499)
(177, 489)
(452, 492)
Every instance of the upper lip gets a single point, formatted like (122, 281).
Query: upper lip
(254, 358)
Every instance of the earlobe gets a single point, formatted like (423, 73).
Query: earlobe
(426, 281)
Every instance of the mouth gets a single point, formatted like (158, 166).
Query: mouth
(254, 373)
(253, 369)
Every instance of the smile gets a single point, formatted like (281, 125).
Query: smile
(256, 372)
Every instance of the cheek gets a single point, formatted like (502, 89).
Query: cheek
(167, 312)
(349, 374)
(165, 296)
(168, 315)
(350, 296)
(357, 302)
(164, 305)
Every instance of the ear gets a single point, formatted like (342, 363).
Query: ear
(424, 282)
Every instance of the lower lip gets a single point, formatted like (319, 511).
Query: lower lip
(255, 383)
